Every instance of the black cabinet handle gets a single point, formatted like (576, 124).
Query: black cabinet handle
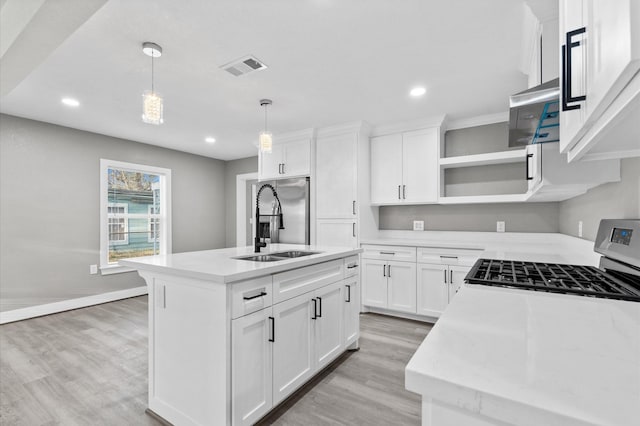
(527, 167)
(319, 307)
(399, 192)
(567, 60)
(355, 265)
(315, 309)
(354, 229)
(384, 270)
(273, 329)
(262, 293)
(445, 276)
(348, 294)
(283, 170)
(404, 191)
(451, 277)
(354, 207)
(389, 271)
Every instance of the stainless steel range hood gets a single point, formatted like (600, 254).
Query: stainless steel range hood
(534, 115)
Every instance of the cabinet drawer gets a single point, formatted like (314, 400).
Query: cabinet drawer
(299, 281)
(400, 253)
(351, 266)
(250, 296)
(448, 256)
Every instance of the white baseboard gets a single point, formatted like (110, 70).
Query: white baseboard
(67, 305)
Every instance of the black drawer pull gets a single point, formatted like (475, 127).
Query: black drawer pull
(262, 293)
(348, 294)
(315, 309)
(355, 265)
(319, 307)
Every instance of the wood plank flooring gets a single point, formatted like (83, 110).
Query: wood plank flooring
(89, 367)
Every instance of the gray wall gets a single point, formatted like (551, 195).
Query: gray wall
(617, 200)
(232, 169)
(49, 209)
(519, 217)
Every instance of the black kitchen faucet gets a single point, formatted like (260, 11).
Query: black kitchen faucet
(258, 243)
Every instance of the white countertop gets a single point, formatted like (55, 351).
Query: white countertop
(220, 266)
(534, 247)
(531, 358)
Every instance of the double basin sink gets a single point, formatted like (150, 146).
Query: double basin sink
(274, 257)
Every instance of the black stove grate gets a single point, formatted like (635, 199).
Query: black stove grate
(556, 278)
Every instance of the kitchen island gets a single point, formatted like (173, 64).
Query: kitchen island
(230, 338)
(501, 356)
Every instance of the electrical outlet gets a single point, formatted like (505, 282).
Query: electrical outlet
(93, 269)
(500, 226)
(418, 225)
(580, 228)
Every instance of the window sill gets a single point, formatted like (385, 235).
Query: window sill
(115, 269)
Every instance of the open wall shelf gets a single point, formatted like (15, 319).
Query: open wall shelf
(502, 157)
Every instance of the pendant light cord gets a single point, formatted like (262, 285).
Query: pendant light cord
(152, 55)
(265, 117)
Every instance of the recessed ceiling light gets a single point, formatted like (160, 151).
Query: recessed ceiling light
(209, 139)
(70, 102)
(418, 91)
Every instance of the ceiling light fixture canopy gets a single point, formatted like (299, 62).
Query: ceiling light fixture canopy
(152, 103)
(266, 138)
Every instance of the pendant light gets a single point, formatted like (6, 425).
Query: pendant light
(266, 139)
(151, 100)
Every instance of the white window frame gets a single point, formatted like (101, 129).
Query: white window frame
(165, 210)
(126, 223)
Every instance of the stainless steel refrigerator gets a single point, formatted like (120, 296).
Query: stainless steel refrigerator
(294, 198)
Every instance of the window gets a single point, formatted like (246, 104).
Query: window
(135, 212)
(118, 224)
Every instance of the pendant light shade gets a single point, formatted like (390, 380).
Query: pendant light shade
(266, 138)
(152, 105)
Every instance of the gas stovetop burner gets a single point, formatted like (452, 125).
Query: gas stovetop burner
(556, 278)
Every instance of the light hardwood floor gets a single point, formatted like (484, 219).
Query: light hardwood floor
(89, 367)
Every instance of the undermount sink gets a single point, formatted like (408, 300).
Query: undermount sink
(294, 253)
(274, 257)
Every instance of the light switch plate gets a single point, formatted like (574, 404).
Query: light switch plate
(500, 226)
(580, 228)
(93, 269)
(418, 225)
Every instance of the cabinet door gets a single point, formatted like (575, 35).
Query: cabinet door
(336, 232)
(374, 283)
(251, 365)
(572, 17)
(271, 163)
(351, 309)
(336, 167)
(329, 327)
(293, 346)
(456, 278)
(401, 289)
(420, 169)
(533, 166)
(297, 158)
(386, 169)
(433, 290)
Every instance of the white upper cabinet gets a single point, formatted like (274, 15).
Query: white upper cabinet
(290, 157)
(404, 167)
(336, 176)
(600, 59)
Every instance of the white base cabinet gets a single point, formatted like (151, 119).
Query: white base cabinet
(226, 354)
(437, 285)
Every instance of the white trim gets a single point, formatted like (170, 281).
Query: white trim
(407, 126)
(480, 120)
(340, 129)
(67, 305)
(165, 209)
(292, 136)
(241, 206)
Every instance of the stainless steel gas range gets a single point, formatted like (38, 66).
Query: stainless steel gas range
(617, 277)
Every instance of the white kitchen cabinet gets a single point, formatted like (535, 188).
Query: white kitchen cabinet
(289, 158)
(389, 284)
(329, 324)
(293, 346)
(404, 167)
(251, 380)
(336, 176)
(351, 309)
(604, 58)
(437, 286)
(337, 232)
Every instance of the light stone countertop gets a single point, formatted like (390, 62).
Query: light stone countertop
(534, 247)
(532, 358)
(220, 266)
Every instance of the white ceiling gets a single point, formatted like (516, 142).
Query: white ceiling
(330, 62)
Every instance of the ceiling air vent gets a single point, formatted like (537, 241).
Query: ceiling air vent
(244, 66)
